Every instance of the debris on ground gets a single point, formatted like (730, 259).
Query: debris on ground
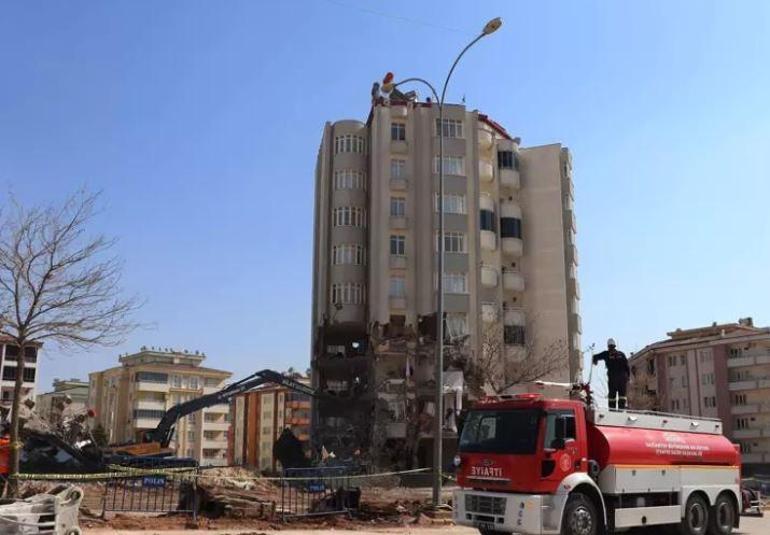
(54, 512)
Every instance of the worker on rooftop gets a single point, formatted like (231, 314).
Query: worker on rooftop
(617, 374)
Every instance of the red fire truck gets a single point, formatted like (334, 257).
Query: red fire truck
(531, 465)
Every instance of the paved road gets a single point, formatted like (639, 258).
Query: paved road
(749, 526)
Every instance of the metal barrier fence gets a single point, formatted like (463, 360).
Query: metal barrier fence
(170, 490)
(317, 491)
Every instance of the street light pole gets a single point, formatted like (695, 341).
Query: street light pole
(490, 27)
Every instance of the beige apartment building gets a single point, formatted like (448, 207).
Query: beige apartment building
(719, 371)
(510, 258)
(259, 418)
(130, 400)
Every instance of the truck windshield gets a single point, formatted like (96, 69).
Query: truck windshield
(506, 431)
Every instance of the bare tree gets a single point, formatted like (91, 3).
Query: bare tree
(507, 359)
(643, 391)
(57, 285)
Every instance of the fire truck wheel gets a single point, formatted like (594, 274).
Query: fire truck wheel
(696, 516)
(722, 516)
(490, 532)
(580, 517)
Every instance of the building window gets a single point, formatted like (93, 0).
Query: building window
(397, 131)
(455, 283)
(507, 159)
(397, 168)
(683, 381)
(745, 447)
(29, 375)
(736, 352)
(705, 355)
(510, 227)
(710, 401)
(741, 423)
(453, 204)
(397, 245)
(349, 143)
(739, 399)
(148, 413)
(456, 324)
(681, 360)
(707, 379)
(347, 293)
(349, 179)
(513, 335)
(452, 128)
(488, 220)
(191, 436)
(453, 165)
(349, 216)
(454, 242)
(397, 206)
(151, 377)
(193, 383)
(397, 287)
(349, 254)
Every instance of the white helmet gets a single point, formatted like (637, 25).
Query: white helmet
(611, 343)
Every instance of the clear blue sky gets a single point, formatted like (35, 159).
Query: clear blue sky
(200, 122)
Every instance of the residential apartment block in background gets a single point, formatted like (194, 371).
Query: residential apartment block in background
(259, 418)
(9, 354)
(68, 398)
(719, 371)
(130, 400)
(510, 258)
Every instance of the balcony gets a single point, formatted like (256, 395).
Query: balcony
(513, 280)
(153, 405)
(744, 409)
(489, 312)
(398, 222)
(486, 171)
(569, 220)
(399, 184)
(217, 444)
(219, 409)
(735, 386)
(486, 140)
(146, 423)
(576, 321)
(397, 261)
(488, 240)
(488, 276)
(216, 426)
(513, 246)
(399, 147)
(510, 178)
(741, 361)
(211, 461)
(573, 254)
(514, 316)
(750, 433)
(147, 386)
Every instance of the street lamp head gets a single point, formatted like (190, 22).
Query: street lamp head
(492, 26)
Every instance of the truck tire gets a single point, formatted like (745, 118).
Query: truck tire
(696, 517)
(580, 516)
(723, 515)
(491, 532)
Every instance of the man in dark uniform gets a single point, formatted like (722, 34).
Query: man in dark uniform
(617, 374)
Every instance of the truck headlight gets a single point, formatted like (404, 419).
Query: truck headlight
(457, 461)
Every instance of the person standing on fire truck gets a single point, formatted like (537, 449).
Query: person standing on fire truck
(617, 374)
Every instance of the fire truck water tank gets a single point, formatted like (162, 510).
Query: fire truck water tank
(624, 446)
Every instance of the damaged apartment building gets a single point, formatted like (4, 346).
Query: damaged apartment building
(510, 258)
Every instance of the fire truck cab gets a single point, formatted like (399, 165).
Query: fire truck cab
(530, 465)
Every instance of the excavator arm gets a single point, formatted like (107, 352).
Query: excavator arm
(165, 429)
